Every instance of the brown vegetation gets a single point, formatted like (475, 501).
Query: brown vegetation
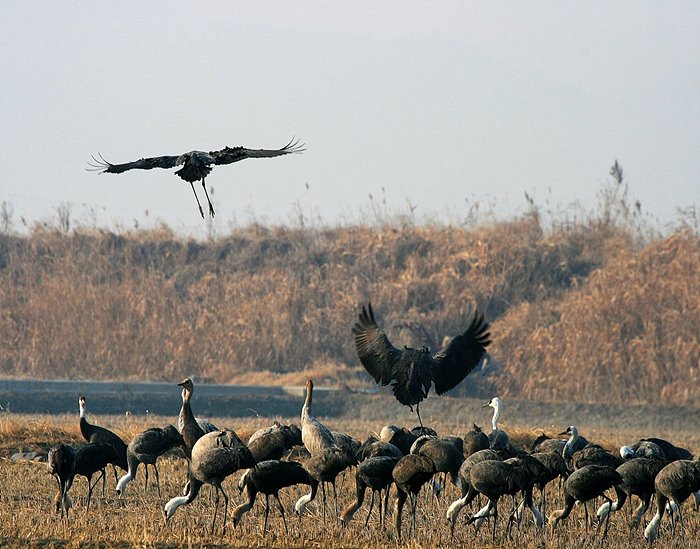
(590, 310)
(136, 519)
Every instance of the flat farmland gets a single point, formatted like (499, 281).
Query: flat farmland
(136, 518)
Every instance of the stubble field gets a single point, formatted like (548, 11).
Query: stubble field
(136, 519)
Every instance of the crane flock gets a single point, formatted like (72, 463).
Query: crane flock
(311, 455)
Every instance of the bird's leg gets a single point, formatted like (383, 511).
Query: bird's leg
(386, 500)
(371, 504)
(418, 412)
(284, 520)
(145, 466)
(201, 211)
(607, 518)
(414, 503)
(267, 512)
(495, 519)
(157, 478)
(211, 206)
(223, 530)
(216, 506)
(335, 497)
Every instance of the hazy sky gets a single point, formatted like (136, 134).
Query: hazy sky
(441, 104)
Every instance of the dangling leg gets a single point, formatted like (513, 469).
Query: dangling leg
(418, 412)
(211, 206)
(201, 211)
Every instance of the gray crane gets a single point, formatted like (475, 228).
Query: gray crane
(196, 165)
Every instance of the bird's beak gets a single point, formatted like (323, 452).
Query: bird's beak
(485, 405)
(563, 433)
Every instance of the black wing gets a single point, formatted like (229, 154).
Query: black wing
(234, 154)
(102, 166)
(376, 353)
(462, 354)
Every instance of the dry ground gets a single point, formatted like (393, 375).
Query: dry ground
(26, 492)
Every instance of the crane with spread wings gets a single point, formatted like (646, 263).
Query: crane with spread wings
(412, 372)
(196, 165)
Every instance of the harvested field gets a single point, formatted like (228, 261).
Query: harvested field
(26, 515)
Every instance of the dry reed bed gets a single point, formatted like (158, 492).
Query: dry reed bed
(136, 519)
(579, 312)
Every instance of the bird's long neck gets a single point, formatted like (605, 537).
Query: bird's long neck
(569, 443)
(186, 410)
(177, 501)
(306, 409)
(82, 411)
(124, 481)
(496, 416)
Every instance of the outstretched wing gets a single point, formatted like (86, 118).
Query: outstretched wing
(229, 155)
(462, 354)
(102, 166)
(376, 353)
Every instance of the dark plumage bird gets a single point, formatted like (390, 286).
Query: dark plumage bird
(555, 467)
(400, 437)
(545, 443)
(422, 430)
(411, 372)
(99, 435)
(638, 476)
(444, 452)
(146, 447)
(594, 454)
(677, 481)
(374, 473)
(325, 466)
(643, 448)
(345, 442)
(670, 450)
(61, 463)
(273, 442)
(268, 478)
(493, 479)
(373, 447)
(583, 485)
(410, 473)
(91, 459)
(196, 165)
(475, 440)
(66, 462)
(214, 457)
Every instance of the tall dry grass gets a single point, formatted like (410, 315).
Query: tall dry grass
(588, 310)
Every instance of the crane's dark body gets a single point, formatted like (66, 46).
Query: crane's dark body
(196, 165)
(411, 372)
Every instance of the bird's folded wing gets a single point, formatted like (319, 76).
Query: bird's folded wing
(462, 354)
